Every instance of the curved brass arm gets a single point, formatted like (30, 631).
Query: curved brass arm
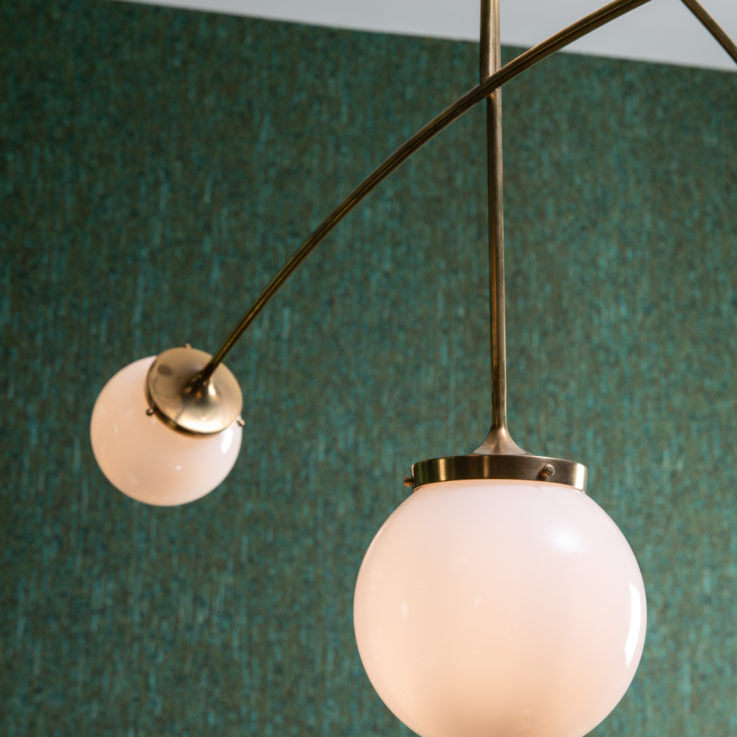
(454, 111)
(713, 27)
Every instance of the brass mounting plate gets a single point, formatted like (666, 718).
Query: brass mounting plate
(515, 467)
(191, 406)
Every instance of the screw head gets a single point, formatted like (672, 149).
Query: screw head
(548, 470)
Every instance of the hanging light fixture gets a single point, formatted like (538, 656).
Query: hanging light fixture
(161, 439)
(498, 598)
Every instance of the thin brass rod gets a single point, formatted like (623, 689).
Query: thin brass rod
(713, 27)
(490, 61)
(454, 111)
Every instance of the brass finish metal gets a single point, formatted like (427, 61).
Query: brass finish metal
(513, 467)
(713, 27)
(490, 60)
(499, 442)
(498, 457)
(548, 471)
(462, 105)
(203, 397)
(454, 111)
(181, 397)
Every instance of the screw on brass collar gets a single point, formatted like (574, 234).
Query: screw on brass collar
(185, 402)
(504, 467)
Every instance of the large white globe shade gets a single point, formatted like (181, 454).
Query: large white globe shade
(143, 457)
(499, 608)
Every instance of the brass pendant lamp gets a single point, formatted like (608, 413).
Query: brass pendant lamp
(498, 598)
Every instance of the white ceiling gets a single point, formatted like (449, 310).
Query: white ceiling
(662, 30)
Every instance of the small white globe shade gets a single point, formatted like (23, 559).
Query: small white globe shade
(143, 457)
(498, 608)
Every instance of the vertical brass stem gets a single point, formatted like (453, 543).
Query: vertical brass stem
(490, 61)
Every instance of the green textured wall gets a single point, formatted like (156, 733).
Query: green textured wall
(158, 165)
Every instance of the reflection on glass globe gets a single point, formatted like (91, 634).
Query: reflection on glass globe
(143, 457)
(495, 608)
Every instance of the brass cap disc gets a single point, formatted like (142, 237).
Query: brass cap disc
(515, 467)
(203, 408)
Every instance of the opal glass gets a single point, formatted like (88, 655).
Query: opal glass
(146, 459)
(496, 608)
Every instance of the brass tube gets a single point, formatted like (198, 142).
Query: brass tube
(490, 61)
(713, 27)
(454, 111)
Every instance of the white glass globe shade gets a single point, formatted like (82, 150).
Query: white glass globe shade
(143, 457)
(497, 608)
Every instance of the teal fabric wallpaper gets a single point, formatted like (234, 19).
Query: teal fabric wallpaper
(157, 167)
